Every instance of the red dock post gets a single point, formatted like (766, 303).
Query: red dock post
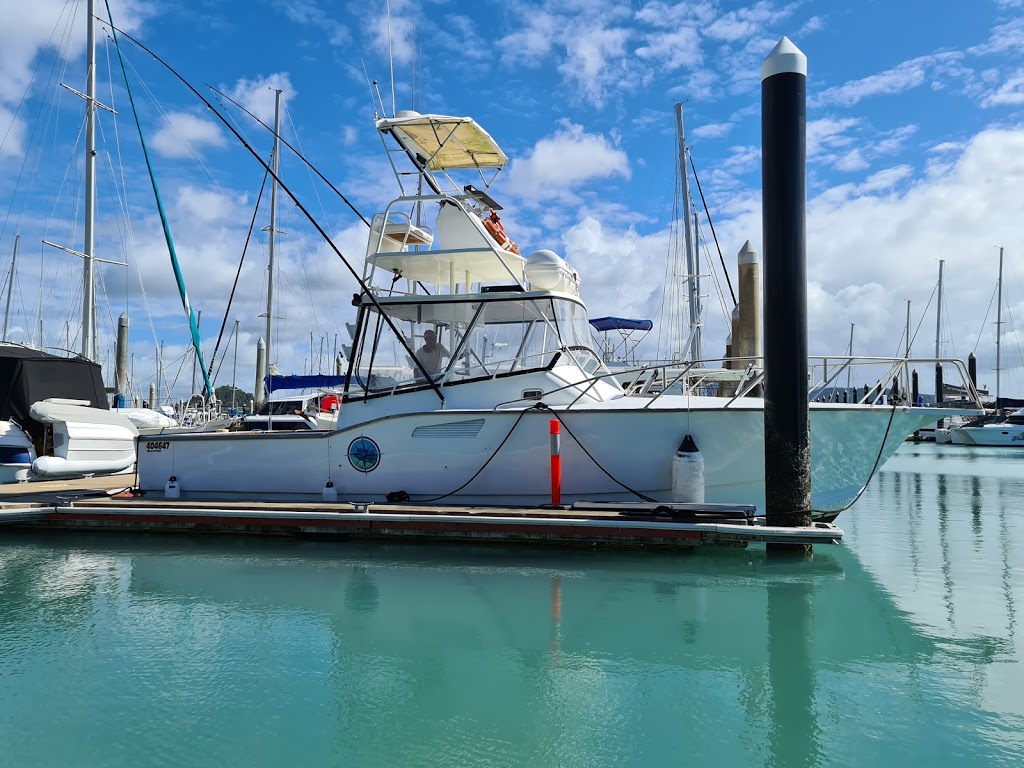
(556, 464)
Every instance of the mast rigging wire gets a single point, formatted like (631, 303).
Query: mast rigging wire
(364, 288)
(298, 154)
(708, 213)
(238, 272)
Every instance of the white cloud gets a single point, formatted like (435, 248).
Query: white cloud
(1004, 37)
(593, 62)
(532, 42)
(1009, 93)
(204, 206)
(258, 96)
(12, 134)
(885, 179)
(393, 36)
(829, 133)
(712, 131)
(903, 77)
(669, 51)
(745, 23)
(182, 134)
(561, 162)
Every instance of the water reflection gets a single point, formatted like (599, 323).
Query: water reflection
(261, 653)
(794, 733)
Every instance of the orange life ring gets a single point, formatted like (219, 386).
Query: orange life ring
(496, 230)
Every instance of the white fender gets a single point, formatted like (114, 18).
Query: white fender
(330, 493)
(688, 473)
(55, 465)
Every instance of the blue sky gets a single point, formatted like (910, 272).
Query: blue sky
(915, 140)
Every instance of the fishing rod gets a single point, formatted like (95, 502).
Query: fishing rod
(365, 290)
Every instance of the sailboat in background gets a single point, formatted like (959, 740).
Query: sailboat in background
(1006, 429)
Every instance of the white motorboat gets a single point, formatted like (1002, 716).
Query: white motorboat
(291, 412)
(484, 347)
(1006, 431)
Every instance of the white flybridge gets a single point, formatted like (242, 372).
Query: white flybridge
(464, 350)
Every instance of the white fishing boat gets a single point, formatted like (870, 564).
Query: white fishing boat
(484, 347)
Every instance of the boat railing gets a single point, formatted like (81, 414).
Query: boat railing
(736, 378)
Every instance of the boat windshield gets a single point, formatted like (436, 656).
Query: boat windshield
(282, 407)
(463, 339)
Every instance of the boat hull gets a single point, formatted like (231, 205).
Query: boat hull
(502, 457)
(996, 434)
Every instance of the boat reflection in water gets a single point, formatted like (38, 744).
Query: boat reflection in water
(328, 653)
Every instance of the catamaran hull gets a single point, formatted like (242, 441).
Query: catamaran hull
(503, 457)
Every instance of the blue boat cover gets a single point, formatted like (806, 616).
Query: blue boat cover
(621, 324)
(321, 381)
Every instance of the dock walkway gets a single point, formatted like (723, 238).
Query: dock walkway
(111, 503)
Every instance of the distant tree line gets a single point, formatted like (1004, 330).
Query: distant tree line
(242, 399)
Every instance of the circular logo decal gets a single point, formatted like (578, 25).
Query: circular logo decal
(363, 454)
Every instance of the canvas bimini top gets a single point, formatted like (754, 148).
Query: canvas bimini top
(444, 143)
(621, 324)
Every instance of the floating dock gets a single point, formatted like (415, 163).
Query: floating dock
(110, 503)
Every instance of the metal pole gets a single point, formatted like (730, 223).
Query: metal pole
(261, 372)
(10, 286)
(234, 368)
(88, 281)
(783, 219)
(684, 179)
(121, 362)
(850, 366)
(195, 355)
(999, 327)
(908, 329)
(938, 310)
(273, 228)
(938, 328)
(698, 333)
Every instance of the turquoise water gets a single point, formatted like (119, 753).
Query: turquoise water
(900, 646)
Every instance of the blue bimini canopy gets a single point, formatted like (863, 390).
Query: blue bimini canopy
(621, 324)
(304, 382)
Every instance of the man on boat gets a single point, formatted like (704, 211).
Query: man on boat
(431, 353)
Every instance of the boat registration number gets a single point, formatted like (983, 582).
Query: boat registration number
(157, 445)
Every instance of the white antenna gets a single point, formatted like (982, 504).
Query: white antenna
(371, 88)
(391, 58)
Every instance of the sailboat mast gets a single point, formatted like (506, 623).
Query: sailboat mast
(273, 226)
(999, 323)
(938, 311)
(10, 287)
(687, 236)
(88, 282)
(938, 329)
